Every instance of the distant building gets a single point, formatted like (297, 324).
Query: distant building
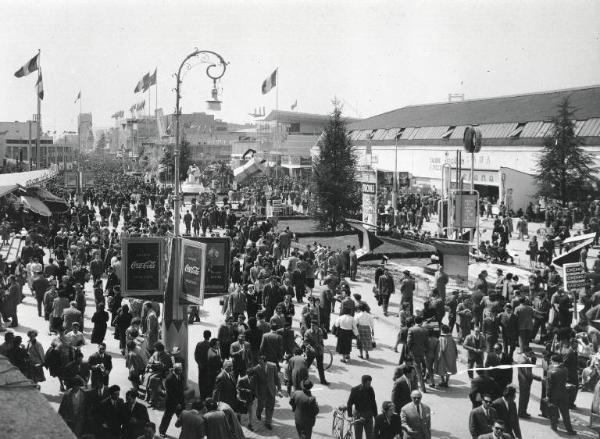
(423, 139)
(18, 146)
(85, 130)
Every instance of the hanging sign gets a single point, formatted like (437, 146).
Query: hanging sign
(143, 268)
(193, 272)
(217, 267)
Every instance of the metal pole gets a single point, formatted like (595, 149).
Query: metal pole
(39, 130)
(473, 172)
(395, 181)
(29, 149)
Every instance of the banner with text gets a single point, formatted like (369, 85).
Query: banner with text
(217, 265)
(143, 268)
(193, 273)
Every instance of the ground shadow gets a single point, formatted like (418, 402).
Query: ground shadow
(443, 434)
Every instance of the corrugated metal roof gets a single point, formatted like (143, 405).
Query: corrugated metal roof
(531, 128)
(430, 132)
(391, 134)
(496, 130)
(408, 133)
(578, 126)
(590, 128)
(458, 132)
(519, 108)
(544, 130)
(379, 134)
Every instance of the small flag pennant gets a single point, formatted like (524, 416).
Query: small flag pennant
(270, 82)
(78, 97)
(31, 66)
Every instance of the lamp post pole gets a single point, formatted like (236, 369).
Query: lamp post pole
(175, 331)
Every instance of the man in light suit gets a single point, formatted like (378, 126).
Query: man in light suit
(236, 303)
(269, 386)
(481, 419)
(416, 418)
(70, 316)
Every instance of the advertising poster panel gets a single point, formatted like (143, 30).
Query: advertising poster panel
(193, 272)
(218, 265)
(143, 268)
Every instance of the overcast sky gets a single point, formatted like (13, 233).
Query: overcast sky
(374, 56)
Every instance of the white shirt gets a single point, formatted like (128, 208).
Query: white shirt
(347, 322)
(363, 318)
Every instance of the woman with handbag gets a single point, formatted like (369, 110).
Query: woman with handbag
(344, 329)
(365, 327)
(36, 357)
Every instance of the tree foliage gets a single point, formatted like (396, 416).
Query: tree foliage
(565, 169)
(333, 177)
(167, 162)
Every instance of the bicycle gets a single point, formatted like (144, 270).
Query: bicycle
(342, 427)
(327, 354)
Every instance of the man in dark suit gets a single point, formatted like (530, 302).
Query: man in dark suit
(362, 399)
(100, 364)
(268, 386)
(174, 398)
(417, 344)
(214, 364)
(112, 409)
(201, 357)
(272, 346)
(305, 409)
(240, 354)
(509, 326)
(387, 424)
(482, 385)
(93, 414)
(507, 411)
(401, 388)
(557, 394)
(225, 386)
(72, 407)
(136, 416)
(481, 419)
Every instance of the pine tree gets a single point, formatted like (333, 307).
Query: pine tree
(564, 168)
(333, 176)
(168, 162)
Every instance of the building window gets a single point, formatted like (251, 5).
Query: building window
(294, 127)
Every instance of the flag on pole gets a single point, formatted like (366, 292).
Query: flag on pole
(146, 82)
(39, 85)
(294, 105)
(153, 78)
(141, 84)
(269, 83)
(31, 66)
(78, 97)
(132, 108)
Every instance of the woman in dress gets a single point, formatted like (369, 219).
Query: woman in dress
(533, 252)
(366, 330)
(446, 356)
(100, 321)
(36, 357)
(345, 329)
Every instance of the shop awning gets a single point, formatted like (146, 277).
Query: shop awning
(54, 203)
(7, 189)
(35, 205)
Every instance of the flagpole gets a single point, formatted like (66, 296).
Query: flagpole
(39, 117)
(156, 95)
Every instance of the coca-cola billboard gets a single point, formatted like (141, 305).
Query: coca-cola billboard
(143, 268)
(193, 262)
(217, 266)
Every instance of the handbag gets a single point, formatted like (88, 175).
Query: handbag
(334, 330)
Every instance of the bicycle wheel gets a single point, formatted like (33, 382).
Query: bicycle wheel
(327, 358)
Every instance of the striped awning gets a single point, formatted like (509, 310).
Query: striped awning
(35, 205)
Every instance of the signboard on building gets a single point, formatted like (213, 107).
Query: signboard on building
(465, 209)
(71, 179)
(193, 272)
(143, 268)
(217, 267)
(369, 198)
(403, 179)
(574, 276)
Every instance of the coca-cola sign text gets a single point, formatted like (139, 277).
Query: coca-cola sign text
(146, 265)
(142, 260)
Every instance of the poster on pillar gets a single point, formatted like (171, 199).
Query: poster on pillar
(369, 201)
(217, 272)
(193, 272)
(143, 268)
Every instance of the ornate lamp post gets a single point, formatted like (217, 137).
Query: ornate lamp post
(174, 321)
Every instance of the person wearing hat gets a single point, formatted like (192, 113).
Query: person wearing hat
(305, 408)
(407, 288)
(386, 288)
(509, 327)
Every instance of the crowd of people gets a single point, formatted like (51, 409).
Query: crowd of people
(285, 300)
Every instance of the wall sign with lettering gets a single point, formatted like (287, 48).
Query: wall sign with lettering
(143, 268)
(193, 271)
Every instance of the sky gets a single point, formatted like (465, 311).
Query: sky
(373, 56)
